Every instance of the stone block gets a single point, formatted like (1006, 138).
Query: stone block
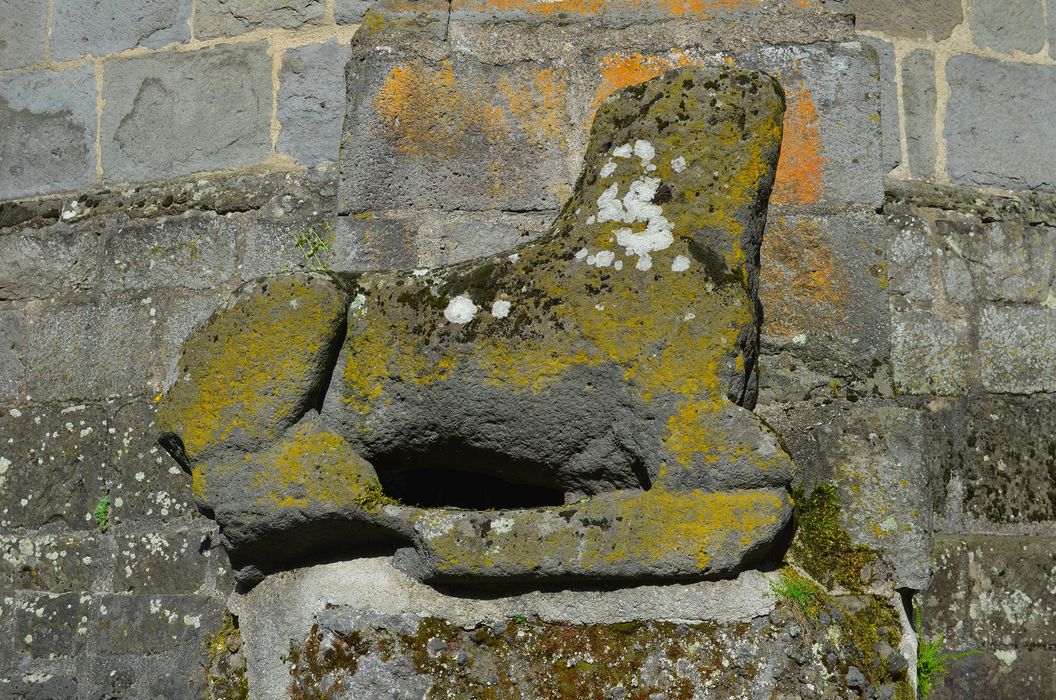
(1002, 261)
(1052, 28)
(909, 256)
(23, 33)
(917, 20)
(351, 11)
(162, 562)
(48, 140)
(944, 606)
(152, 624)
(147, 483)
(453, 237)
(918, 100)
(54, 563)
(311, 101)
(1017, 349)
(12, 369)
(1007, 26)
(191, 251)
(214, 18)
(822, 288)
(1008, 464)
(107, 349)
(275, 244)
(52, 463)
(174, 674)
(1000, 674)
(929, 354)
(890, 118)
(374, 242)
(53, 260)
(83, 27)
(1000, 125)
(50, 626)
(173, 114)
(179, 315)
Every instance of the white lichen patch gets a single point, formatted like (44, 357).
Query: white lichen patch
(623, 151)
(678, 164)
(645, 152)
(500, 309)
(680, 264)
(636, 207)
(608, 169)
(582, 253)
(421, 272)
(603, 258)
(460, 310)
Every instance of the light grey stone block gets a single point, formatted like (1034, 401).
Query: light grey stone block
(445, 238)
(49, 261)
(213, 18)
(178, 113)
(929, 354)
(890, 119)
(47, 143)
(161, 562)
(12, 369)
(1017, 349)
(1008, 25)
(918, 99)
(909, 257)
(918, 20)
(1001, 124)
(351, 11)
(311, 101)
(22, 33)
(101, 27)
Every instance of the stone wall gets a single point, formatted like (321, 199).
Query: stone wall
(910, 356)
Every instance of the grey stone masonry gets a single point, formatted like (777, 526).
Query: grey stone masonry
(350, 11)
(178, 113)
(918, 96)
(1001, 124)
(101, 27)
(929, 354)
(889, 113)
(214, 18)
(934, 18)
(47, 143)
(1008, 25)
(22, 33)
(12, 371)
(1017, 349)
(311, 101)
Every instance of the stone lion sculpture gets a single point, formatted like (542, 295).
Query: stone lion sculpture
(604, 372)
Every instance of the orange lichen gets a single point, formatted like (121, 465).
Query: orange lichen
(803, 282)
(800, 171)
(623, 70)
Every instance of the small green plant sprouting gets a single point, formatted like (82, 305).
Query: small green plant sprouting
(102, 513)
(800, 591)
(519, 620)
(932, 664)
(313, 246)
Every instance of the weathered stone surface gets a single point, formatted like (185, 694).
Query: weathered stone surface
(311, 101)
(108, 349)
(997, 262)
(367, 242)
(909, 256)
(173, 114)
(152, 624)
(12, 340)
(1017, 349)
(253, 370)
(180, 314)
(446, 238)
(49, 261)
(49, 626)
(822, 290)
(918, 100)
(193, 251)
(213, 18)
(930, 354)
(172, 674)
(56, 563)
(1001, 673)
(1009, 464)
(890, 119)
(1007, 26)
(992, 106)
(161, 562)
(83, 27)
(351, 11)
(52, 462)
(22, 34)
(370, 596)
(916, 20)
(147, 484)
(48, 140)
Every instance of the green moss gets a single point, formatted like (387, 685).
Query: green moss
(800, 591)
(102, 513)
(932, 663)
(823, 548)
(373, 498)
(225, 672)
